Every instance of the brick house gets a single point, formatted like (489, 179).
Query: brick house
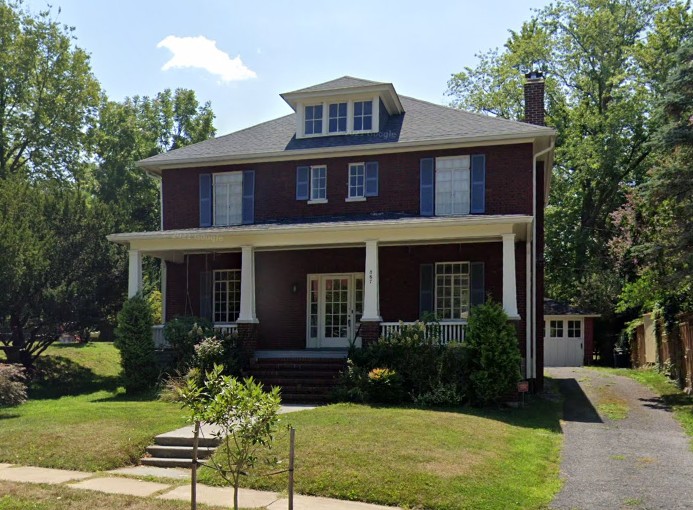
(362, 209)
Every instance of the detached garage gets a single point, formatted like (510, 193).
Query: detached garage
(568, 335)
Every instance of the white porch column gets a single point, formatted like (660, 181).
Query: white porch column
(371, 291)
(509, 276)
(246, 314)
(134, 272)
(164, 277)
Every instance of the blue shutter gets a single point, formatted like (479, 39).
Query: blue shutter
(478, 186)
(427, 187)
(302, 183)
(476, 275)
(206, 294)
(426, 289)
(371, 179)
(205, 200)
(248, 197)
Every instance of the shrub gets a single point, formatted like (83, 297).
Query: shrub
(493, 358)
(220, 350)
(136, 345)
(384, 386)
(183, 333)
(443, 395)
(12, 385)
(352, 385)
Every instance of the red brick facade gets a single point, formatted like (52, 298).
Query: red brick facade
(508, 186)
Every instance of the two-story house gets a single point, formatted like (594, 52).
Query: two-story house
(361, 209)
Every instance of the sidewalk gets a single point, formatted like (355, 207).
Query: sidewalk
(115, 483)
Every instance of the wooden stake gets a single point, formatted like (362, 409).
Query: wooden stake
(193, 477)
(292, 435)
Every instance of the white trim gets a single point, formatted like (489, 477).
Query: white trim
(319, 341)
(371, 284)
(350, 197)
(317, 201)
(163, 285)
(134, 272)
(509, 276)
(214, 294)
(355, 199)
(246, 314)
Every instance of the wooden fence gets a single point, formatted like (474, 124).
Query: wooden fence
(674, 349)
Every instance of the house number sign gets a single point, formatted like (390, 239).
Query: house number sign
(370, 276)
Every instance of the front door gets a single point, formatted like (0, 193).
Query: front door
(335, 305)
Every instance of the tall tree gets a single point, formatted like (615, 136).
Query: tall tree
(48, 96)
(603, 61)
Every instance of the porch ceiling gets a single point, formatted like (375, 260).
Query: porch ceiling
(172, 244)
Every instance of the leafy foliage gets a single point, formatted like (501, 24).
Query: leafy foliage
(184, 333)
(493, 359)
(136, 345)
(12, 385)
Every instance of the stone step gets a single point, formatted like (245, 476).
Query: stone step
(167, 462)
(300, 366)
(269, 379)
(293, 374)
(300, 398)
(179, 452)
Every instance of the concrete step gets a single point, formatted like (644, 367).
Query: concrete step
(173, 440)
(167, 462)
(269, 379)
(301, 398)
(179, 452)
(297, 365)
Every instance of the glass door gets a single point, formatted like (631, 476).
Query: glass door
(335, 307)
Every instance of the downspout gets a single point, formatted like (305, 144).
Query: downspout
(528, 304)
(534, 254)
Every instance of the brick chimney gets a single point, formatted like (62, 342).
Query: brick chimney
(534, 98)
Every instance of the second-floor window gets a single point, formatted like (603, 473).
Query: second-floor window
(363, 115)
(452, 186)
(228, 198)
(318, 183)
(313, 119)
(357, 180)
(338, 118)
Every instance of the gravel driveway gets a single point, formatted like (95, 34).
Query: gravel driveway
(623, 449)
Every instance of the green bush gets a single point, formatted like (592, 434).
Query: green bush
(493, 358)
(222, 350)
(12, 385)
(443, 395)
(183, 333)
(384, 386)
(136, 345)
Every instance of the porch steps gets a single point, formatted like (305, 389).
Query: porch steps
(302, 380)
(174, 449)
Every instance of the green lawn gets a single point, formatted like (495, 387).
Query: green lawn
(78, 417)
(463, 459)
(680, 403)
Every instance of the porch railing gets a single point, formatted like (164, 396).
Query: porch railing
(452, 331)
(160, 341)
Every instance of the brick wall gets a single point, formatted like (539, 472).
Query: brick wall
(534, 100)
(508, 186)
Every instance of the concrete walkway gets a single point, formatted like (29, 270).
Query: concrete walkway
(640, 458)
(215, 496)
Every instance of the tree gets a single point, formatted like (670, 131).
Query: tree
(48, 96)
(604, 62)
(136, 345)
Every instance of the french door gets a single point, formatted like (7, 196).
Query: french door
(335, 306)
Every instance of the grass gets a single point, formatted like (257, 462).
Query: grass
(613, 411)
(680, 403)
(17, 496)
(78, 417)
(455, 459)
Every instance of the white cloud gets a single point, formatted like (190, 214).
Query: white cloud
(200, 52)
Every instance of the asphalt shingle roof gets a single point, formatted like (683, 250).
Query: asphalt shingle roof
(552, 307)
(421, 122)
(340, 83)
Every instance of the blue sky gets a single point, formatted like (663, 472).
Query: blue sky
(139, 47)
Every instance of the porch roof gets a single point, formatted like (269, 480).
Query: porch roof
(172, 244)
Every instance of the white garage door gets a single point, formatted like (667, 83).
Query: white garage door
(564, 344)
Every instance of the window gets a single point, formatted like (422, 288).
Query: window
(556, 329)
(318, 183)
(338, 118)
(574, 329)
(452, 290)
(313, 119)
(228, 198)
(452, 186)
(363, 115)
(227, 295)
(357, 180)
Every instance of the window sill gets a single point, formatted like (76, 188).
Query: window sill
(355, 199)
(317, 201)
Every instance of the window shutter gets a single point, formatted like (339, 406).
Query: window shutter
(206, 294)
(302, 182)
(476, 275)
(371, 179)
(426, 289)
(248, 197)
(427, 180)
(205, 200)
(478, 186)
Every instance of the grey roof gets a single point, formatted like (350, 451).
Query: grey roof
(421, 122)
(340, 83)
(553, 307)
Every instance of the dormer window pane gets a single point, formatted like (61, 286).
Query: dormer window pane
(363, 115)
(338, 117)
(313, 119)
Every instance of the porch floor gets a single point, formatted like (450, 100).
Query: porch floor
(302, 354)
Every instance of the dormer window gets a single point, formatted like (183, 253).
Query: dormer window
(313, 120)
(338, 118)
(363, 115)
